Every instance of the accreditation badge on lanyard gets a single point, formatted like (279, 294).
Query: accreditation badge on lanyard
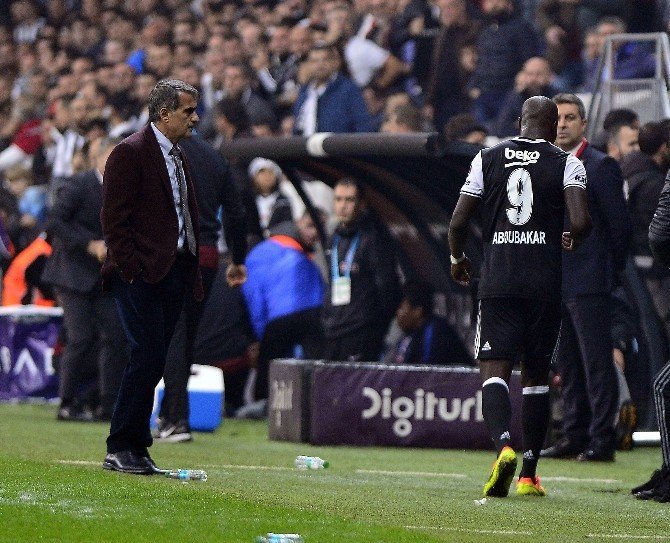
(341, 284)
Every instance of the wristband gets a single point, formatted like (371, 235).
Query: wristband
(458, 260)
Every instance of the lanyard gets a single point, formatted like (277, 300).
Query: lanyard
(348, 259)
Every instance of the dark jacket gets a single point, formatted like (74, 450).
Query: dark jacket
(214, 187)
(447, 85)
(507, 122)
(282, 280)
(375, 289)
(341, 108)
(139, 219)
(503, 46)
(645, 183)
(73, 223)
(593, 266)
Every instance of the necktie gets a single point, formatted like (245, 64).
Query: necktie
(183, 198)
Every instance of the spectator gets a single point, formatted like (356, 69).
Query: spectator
(644, 172)
(32, 207)
(27, 21)
(446, 93)
(504, 44)
(584, 354)
(405, 119)
(158, 60)
(368, 62)
(559, 22)
(463, 127)
(301, 42)
(237, 84)
(534, 79)
(69, 116)
(632, 60)
(277, 67)
(24, 129)
(284, 294)
(425, 339)
(330, 102)
(231, 122)
(364, 289)
(268, 206)
(375, 101)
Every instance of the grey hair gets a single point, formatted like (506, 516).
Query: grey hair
(166, 95)
(568, 98)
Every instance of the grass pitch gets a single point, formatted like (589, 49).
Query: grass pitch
(52, 488)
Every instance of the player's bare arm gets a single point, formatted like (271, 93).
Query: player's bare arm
(458, 234)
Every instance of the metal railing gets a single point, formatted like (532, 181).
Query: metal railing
(647, 97)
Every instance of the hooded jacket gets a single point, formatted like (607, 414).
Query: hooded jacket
(645, 182)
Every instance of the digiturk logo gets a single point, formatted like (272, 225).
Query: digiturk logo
(422, 407)
(282, 399)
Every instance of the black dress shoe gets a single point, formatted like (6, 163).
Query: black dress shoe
(596, 455)
(127, 462)
(563, 449)
(646, 494)
(154, 468)
(652, 483)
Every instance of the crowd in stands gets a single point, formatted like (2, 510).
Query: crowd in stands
(74, 71)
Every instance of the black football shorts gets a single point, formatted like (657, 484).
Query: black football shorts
(517, 329)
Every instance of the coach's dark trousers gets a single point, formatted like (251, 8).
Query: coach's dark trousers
(149, 314)
(174, 406)
(584, 361)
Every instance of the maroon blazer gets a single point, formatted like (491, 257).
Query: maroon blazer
(139, 220)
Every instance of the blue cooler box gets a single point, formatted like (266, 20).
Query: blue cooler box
(205, 397)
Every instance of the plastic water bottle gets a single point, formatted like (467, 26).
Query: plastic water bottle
(310, 462)
(279, 538)
(187, 474)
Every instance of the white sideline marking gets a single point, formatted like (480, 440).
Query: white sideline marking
(627, 536)
(368, 471)
(581, 480)
(221, 466)
(413, 473)
(239, 466)
(468, 530)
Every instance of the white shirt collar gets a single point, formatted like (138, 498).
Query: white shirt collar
(165, 144)
(98, 174)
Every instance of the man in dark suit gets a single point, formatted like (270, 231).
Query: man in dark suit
(150, 225)
(584, 357)
(214, 188)
(89, 314)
